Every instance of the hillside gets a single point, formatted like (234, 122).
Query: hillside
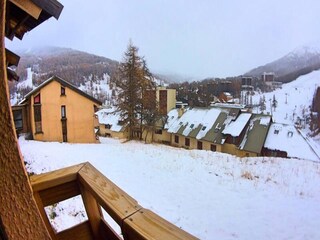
(88, 72)
(300, 61)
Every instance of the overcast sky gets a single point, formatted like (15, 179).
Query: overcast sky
(197, 38)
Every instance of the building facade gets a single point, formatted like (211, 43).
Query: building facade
(58, 111)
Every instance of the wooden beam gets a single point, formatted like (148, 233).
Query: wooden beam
(44, 216)
(59, 193)
(114, 200)
(55, 178)
(12, 59)
(53, 7)
(29, 7)
(93, 211)
(81, 231)
(147, 225)
(106, 231)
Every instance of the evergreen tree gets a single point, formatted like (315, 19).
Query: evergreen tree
(262, 104)
(133, 80)
(274, 103)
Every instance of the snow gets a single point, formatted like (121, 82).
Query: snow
(111, 117)
(192, 118)
(234, 128)
(294, 98)
(211, 195)
(28, 83)
(287, 138)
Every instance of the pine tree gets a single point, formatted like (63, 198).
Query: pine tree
(262, 104)
(274, 103)
(133, 80)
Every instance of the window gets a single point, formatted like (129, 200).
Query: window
(63, 111)
(199, 145)
(36, 99)
(95, 108)
(176, 139)
(187, 142)
(107, 126)
(37, 118)
(276, 131)
(213, 148)
(17, 116)
(192, 125)
(158, 131)
(204, 128)
(63, 91)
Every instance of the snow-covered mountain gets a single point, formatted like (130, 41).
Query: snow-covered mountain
(294, 102)
(86, 71)
(90, 73)
(300, 61)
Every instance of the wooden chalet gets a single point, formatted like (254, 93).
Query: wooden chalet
(22, 200)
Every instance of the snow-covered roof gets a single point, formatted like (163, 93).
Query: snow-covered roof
(256, 134)
(196, 121)
(287, 138)
(110, 117)
(234, 128)
(172, 117)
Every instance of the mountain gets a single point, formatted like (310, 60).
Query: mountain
(88, 72)
(299, 62)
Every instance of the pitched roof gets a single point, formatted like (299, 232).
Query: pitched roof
(63, 83)
(25, 16)
(282, 133)
(256, 133)
(111, 117)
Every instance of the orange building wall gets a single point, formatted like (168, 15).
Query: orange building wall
(79, 113)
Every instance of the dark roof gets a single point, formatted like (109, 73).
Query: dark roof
(18, 22)
(256, 134)
(63, 83)
(215, 133)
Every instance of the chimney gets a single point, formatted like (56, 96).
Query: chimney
(181, 111)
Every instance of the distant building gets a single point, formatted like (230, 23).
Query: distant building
(225, 97)
(57, 111)
(246, 91)
(269, 80)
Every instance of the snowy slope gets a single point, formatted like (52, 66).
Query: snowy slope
(294, 99)
(211, 195)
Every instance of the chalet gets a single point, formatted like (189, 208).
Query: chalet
(294, 143)
(23, 198)
(225, 97)
(110, 124)
(57, 111)
(217, 129)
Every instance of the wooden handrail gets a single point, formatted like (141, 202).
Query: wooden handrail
(98, 191)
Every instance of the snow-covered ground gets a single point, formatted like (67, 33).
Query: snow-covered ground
(294, 99)
(211, 195)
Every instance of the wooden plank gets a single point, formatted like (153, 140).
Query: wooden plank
(59, 193)
(29, 7)
(53, 7)
(55, 178)
(147, 225)
(114, 200)
(81, 231)
(44, 216)
(12, 59)
(93, 211)
(106, 231)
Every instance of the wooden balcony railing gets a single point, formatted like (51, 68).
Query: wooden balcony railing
(98, 191)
